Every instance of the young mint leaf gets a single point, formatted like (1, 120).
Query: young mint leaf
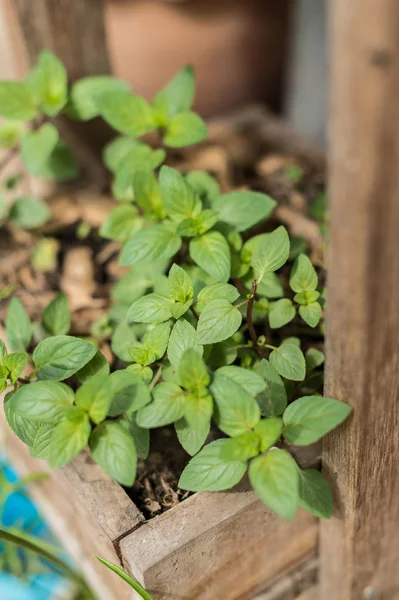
(281, 313)
(44, 401)
(305, 298)
(180, 284)
(140, 435)
(147, 194)
(154, 242)
(98, 365)
(128, 114)
(314, 358)
(303, 276)
(311, 313)
(289, 362)
(193, 373)
(211, 252)
(49, 81)
(15, 364)
(243, 209)
(86, 91)
(37, 146)
(273, 400)
(112, 447)
(142, 356)
(61, 165)
(156, 339)
(270, 286)
(271, 252)
(69, 437)
(135, 283)
(18, 326)
(123, 338)
(179, 198)
(56, 317)
(29, 213)
(242, 447)
(268, 432)
(3, 350)
(176, 97)
(237, 410)
(315, 494)
(23, 428)
(121, 223)
(192, 437)
(129, 393)
(185, 129)
(182, 338)
(204, 184)
(178, 309)
(167, 407)
(145, 373)
(216, 291)
(153, 308)
(11, 133)
(218, 321)
(117, 149)
(274, 477)
(140, 158)
(249, 380)
(309, 418)
(17, 101)
(95, 396)
(211, 471)
(61, 356)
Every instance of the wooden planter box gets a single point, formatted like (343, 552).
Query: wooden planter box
(225, 545)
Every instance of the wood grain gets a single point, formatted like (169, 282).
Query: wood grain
(360, 546)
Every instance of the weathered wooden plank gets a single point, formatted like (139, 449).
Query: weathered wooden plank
(360, 546)
(217, 546)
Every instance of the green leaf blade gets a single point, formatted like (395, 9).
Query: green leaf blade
(211, 252)
(218, 321)
(57, 358)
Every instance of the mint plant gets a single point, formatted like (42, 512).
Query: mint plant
(203, 324)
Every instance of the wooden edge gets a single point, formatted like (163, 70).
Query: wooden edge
(214, 545)
(297, 585)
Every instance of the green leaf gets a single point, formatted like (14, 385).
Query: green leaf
(216, 291)
(140, 435)
(153, 308)
(147, 194)
(204, 184)
(192, 438)
(167, 407)
(61, 356)
(95, 396)
(112, 447)
(128, 114)
(3, 350)
(271, 252)
(129, 393)
(273, 400)
(48, 81)
(41, 446)
(56, 317)
(156, 339)
(288, 360)
(218, 321)
(15, 364)
(37, 146)
(309, 418)
(237, 410)
(11, 133)
(117, 149)
(311, 313)
(180, 284)
(178, 309)
(86, 91)
(303, 276)
(242, 447)
(98, 365)
(315, 494)
(211, 252)
(127, 578)
(18, 326)
(140, 158)
(250, 381)
(23, 428)
(44, 401)
(193, 373)
(123, 338)
(179, 198)
(154, 242)
(185, 129)
(314, 358)
(176, 97)
(270, 286)
(281, 313)
(268, 431)
(243, 209)
(142, 356)
(211, 471)
(274, 477)
(182, 338)
(69, 437)
(61, 165)
(121, 223)
(29, 213)
(17, 101)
